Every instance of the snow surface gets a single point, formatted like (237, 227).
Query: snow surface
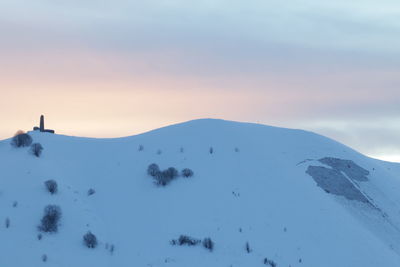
(253, 188)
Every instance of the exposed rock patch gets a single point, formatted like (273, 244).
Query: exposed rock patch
(332, 180)
(352, 170)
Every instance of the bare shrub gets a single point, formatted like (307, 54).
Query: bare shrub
(185, 240)
(110, 247)
(21, 139)
(211, 150)
(36, 149)
(208, 244)
(153, 169)
(141, 148)
(44, 257)
(91, 191)
(187, 173)
(7, 223)
(171, 173)
(247, 247)
(51, 218)
(90, 240)
(165, 177)
(269, 262)
(51, 186)
(161, 179)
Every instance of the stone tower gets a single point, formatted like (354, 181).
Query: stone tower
(42, 123)
(41, 128)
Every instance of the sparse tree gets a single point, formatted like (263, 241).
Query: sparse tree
(153, 169)
(51, 186)
(90, 240)
(36, 149)
(7, 222)
(248, 249)
(186, 240)
(208, 244)
(269, 262)
(171, 172)
(187, 173)
(21, 139)
(51, 218)
(44, 257)
(91, 191)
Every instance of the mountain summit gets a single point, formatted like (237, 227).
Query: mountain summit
(220, 193)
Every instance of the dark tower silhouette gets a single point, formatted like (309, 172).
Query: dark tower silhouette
(42, 123)
(41, 128)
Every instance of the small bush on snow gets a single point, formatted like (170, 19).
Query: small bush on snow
(50, 219)
(186, 240)
(90, 240)
(248, 249)
(171, 173)
(269, 262)
(36, 149)
(51, 186)
(44, 257)
(91, 191)
(21, 139)
(153, 169)
(165, 177)
(187, 173)
(208, 244)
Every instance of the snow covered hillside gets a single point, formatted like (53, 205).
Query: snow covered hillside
(265, 196)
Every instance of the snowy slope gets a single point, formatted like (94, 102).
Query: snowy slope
(253, 188)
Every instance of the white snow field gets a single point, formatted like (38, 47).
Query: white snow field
(256, 188)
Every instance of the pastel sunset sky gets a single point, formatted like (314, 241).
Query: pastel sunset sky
(117, 68)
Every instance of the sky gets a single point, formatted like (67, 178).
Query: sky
(117, 68)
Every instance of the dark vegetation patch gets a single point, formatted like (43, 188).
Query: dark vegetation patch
(90, 240)
(51, 186)
(163, 178)
(50, 219)
(36, 149)
(21, 139)
(185, 240)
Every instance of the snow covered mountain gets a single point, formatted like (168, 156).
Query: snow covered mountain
(265, 196)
